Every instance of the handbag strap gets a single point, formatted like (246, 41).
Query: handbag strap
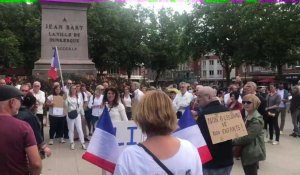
(156, 159)
(77, 103)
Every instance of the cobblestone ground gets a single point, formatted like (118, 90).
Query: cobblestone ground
(282, 159)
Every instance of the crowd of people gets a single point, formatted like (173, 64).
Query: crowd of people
(74, 110)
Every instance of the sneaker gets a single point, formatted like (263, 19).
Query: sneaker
(83, 146)
(268, 141)
(275, 143)
(72, 146)
(62, 140)
(281, 132)
(51, 142)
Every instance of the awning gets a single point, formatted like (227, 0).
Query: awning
(267, 80)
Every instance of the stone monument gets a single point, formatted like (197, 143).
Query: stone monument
(64, 25)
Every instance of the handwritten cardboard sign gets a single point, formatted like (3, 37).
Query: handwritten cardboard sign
(58, 101)
(58, 105)
(225, 126)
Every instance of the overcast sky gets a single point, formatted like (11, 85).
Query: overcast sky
(177, 6)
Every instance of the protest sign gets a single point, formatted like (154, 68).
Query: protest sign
(128, 133)
(58, 105)
(225, 126)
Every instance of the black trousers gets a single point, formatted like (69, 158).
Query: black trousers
(66, 130)
(41, 118)
(56, 126)
(251, 169)
(88, 118)
(273, 124)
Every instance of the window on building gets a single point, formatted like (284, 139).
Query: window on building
(218, 61)
(211, 62)
(204, 63)
(211, 72)
(219, 72)
(204, 73)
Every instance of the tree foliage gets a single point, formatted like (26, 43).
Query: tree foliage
(264, 34)
(164, 31)
(20, 35)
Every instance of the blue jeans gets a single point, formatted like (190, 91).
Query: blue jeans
(219, 171)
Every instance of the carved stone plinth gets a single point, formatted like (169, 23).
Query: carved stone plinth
(65, 25)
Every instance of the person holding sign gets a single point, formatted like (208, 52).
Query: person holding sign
(251, 147)
(55, 102)
(221, 152)
(161, 153)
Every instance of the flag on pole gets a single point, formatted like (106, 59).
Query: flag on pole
(189, 130)
(52, 73)
(103, 149)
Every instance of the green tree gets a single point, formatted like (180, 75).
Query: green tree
(9, 50)
(164, 32)
(103, 25)
(116, 36)
(215, 28)
(20, 34)
(281, 35)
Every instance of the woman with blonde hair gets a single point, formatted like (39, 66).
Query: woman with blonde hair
(74, 105)
(95, 104)
(160, 153)
(252, 146)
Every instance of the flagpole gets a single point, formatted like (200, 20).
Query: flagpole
(62, 79)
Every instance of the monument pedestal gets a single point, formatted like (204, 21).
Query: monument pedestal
(64, 25)
(81, 68)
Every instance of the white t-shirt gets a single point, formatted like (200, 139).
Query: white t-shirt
(118, 113)
(182, 100)
(135, 161)
(138, 94)
(127, 101)
(94, 101)
(40, 98)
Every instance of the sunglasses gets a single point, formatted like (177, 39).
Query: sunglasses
(246, 102)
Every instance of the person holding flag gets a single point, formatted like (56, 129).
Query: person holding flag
(161, 152)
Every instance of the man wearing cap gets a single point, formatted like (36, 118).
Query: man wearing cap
(18, 148)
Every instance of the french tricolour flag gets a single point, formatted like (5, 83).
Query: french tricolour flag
(52, 73)
(189, 130)
(103, 147)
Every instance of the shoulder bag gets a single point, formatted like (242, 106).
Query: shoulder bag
(156, 159)
(73, 114)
